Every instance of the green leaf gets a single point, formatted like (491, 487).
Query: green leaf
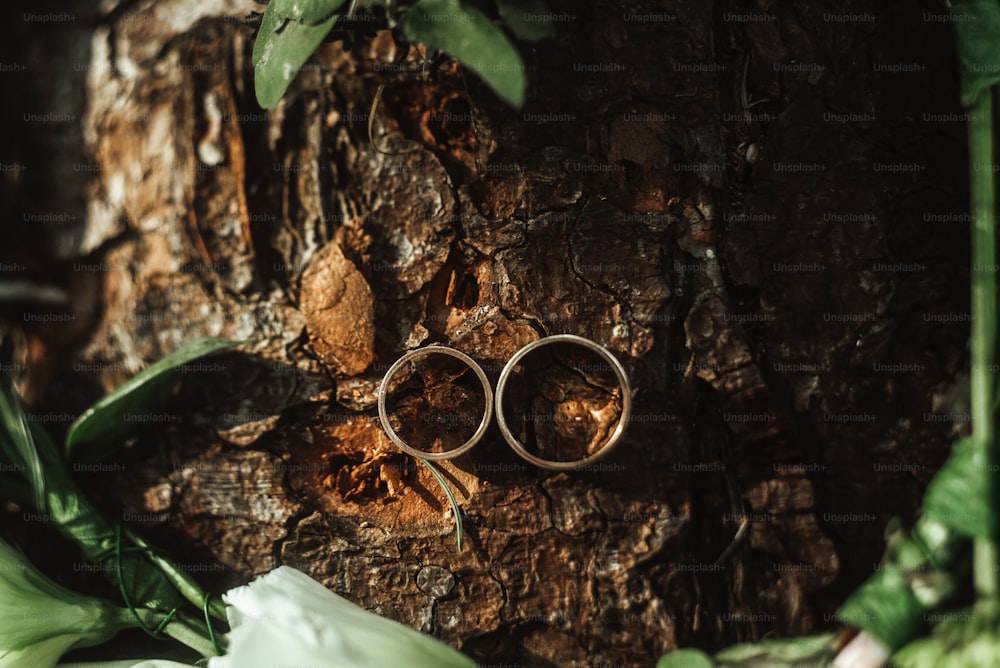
(886, 607)
(528, 19)
(307, 11)
(283, 45)
(72, 515)
(17, 445)
(960, 639)
(977, 24)
(818, 650)
(962, 495)
(922, 567)
(467, 34)
(57, 495)
(105, 426)
(685, 658)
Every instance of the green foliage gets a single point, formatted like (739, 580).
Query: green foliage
(17, 447)
(961, 496)
(818, 650)
(292, 29)
(103, 428)
(467, 34)
(920, 570)
(527, 19)
(283, 46)
(977, 23)
(685, 658)
(156, 593)
(925, 566)
(886, 607)
(961, 639)
(312, 12)
(55, 494)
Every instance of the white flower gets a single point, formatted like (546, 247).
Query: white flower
(40, 620)
(287, 618)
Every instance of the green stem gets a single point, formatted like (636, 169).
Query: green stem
(184, 583)
(456, 511)
(177, 630)
(984, 320)
(192, 639)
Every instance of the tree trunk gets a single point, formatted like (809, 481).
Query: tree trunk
(746, 202)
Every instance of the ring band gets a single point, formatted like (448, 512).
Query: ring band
(383, 390)
(615, 436)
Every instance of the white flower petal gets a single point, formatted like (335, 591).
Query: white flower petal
(286, 617)
(261, 644)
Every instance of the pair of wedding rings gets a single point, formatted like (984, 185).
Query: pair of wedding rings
(494, 402)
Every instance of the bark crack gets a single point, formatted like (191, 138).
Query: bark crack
(626, 307)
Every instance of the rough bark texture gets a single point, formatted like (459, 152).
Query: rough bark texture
(732, 197)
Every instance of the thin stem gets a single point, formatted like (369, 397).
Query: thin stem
(177, 630)
(456, 511)
(192, 639)
(184, 583)
(984, 320)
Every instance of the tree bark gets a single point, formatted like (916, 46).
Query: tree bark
(739, 203)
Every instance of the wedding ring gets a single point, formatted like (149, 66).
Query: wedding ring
(411, 356)
(623, 393)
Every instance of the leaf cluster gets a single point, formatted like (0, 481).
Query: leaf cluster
(291, 30)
